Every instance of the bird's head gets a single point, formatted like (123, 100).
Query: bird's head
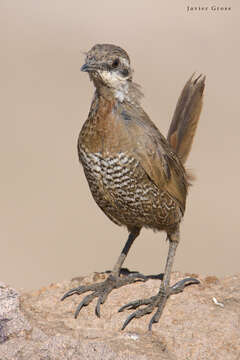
(109, 66)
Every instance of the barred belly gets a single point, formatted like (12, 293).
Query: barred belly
(123, 190)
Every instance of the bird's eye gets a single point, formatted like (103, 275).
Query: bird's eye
(115, 63)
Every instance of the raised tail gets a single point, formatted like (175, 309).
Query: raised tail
(185, 119)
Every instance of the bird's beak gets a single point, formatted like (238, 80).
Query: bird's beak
(88, 67)
(85, 68)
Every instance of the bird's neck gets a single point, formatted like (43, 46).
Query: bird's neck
(127, 91)
(113, 94)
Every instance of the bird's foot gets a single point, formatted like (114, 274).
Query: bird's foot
(158, 301)
(102, 290)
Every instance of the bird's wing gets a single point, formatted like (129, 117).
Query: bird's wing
(155, 155)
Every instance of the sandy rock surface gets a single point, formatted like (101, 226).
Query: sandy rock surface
(203, 322)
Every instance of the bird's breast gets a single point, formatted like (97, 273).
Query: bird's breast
(114, 171)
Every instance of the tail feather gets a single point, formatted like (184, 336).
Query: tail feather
(185, 119)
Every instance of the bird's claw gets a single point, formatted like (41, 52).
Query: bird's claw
(102, 290)
(158, 301)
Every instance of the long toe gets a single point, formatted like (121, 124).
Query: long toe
(79, 290)
(180, 285)
(135, 304)
(139, 313)
(85, 302)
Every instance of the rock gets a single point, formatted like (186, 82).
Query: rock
(203, 322)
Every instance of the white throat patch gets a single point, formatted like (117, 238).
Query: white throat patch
(116, 82)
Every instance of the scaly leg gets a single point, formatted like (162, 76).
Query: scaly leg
(159, 301)
(114, 281)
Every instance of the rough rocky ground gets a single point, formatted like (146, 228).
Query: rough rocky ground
(37, 326)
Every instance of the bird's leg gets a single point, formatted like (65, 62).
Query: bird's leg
(114, 281)
(159, 301)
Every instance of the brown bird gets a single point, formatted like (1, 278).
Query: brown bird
(135, 175)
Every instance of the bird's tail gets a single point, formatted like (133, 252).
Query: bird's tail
(185, 119)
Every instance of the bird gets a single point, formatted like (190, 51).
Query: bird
(136, 175)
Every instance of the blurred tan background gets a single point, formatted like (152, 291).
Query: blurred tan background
(50, 227)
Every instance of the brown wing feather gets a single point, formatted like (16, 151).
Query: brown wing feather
(155, 155)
